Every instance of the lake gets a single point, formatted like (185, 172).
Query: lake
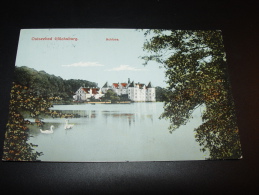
(117, 133)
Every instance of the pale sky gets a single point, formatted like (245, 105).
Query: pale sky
(91, 57)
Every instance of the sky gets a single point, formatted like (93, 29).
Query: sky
(88, 55)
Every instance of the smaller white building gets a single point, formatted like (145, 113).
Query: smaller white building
(85, 93)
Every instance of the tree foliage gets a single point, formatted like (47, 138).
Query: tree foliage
(160, 94)
(32, 94)
(16, 146)
(26, 101)
(110, 95)
(196, 73)
(49, 85)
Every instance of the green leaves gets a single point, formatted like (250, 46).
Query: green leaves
(23, 100)
(30, 96)
(57, 87)
(111, 96)
(196, 74)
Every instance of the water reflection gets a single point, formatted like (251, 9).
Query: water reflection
(76, 113)
(115, 133)
(120, 116)
(92, 114)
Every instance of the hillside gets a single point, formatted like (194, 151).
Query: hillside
(48, 85)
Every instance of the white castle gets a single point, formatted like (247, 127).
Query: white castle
(137, 92)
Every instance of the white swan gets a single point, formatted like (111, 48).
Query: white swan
(68, 126)
(47, 131)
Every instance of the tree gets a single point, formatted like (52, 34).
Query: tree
(110, 95)
(160, 94)
(124, 97)
(196, 73)
(16, 137)
(56, 86)
(32, 94)
(25, 100)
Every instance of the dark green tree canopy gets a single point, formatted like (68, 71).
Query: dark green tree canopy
(56, 86)
(110, 95)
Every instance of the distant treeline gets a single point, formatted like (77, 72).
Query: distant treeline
(48, 85)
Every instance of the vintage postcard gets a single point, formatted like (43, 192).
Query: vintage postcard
(119, 95)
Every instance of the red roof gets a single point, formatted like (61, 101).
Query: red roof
(116, 85)
(94, 90)
(86, 90)
(124, 84)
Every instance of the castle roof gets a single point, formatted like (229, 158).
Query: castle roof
(116, 85)
(141, 85)
(132, 84)
(150, 85)
(106, 85)
(87, 90)
(124, 84)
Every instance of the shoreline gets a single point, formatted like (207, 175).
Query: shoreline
(121, 102)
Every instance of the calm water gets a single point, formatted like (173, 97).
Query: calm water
(117, 132)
